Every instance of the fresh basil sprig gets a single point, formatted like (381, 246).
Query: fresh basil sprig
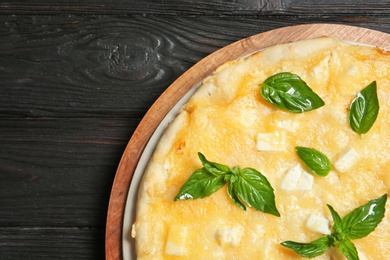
(245, 186)
(289, 92)
(315, 160)
(364, 109)
(357, 224)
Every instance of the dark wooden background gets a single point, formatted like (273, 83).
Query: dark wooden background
(76, 77)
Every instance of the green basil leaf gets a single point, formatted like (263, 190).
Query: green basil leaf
(364, 109)
(254, 189)
(315, 160)
(338, 225)
(244, 186)
(348, 249)
(289, 92)
(357, 224)
(213, 167)
(312, 249)
(201, 184)
(233, 196)
(364, 219)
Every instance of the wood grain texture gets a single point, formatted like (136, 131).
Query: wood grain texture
(189, 79)
(326, 7)
(51, 243)
(55, 180)
(159, 7)
(87, 66)
(203, 7)
(59, 172)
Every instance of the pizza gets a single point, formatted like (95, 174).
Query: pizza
(283, 154)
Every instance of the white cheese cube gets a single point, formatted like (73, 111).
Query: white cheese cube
(318, 224)
(289, 125)
(297, 179)
(346, 160)
(291, 178)
(228, 235)
(176, 241)
(271, 142)
(305, 182)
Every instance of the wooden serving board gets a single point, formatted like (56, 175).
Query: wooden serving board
(152, 119)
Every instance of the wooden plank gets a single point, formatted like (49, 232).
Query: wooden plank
(144, 7)
(51, 243)
(106, 66)
(326, 7)
(92, 66)
(59, 172)
(202, 7)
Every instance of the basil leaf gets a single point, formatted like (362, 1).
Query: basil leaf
(364, 219)
(213, 167)
(233, 196)
(244, 186)
(315, 160)
(364, 109)
(289, 92)
(338, 225)
(254, 189)
(348, 249)
(357, 224)
(201, 184)
(312, 249)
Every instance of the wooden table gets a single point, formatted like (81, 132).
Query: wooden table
(76, 77)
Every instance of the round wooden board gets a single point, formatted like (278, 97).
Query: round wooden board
(188, 80)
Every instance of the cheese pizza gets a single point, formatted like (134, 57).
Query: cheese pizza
(283, 154)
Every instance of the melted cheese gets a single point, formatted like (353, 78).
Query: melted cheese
(229, 122)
